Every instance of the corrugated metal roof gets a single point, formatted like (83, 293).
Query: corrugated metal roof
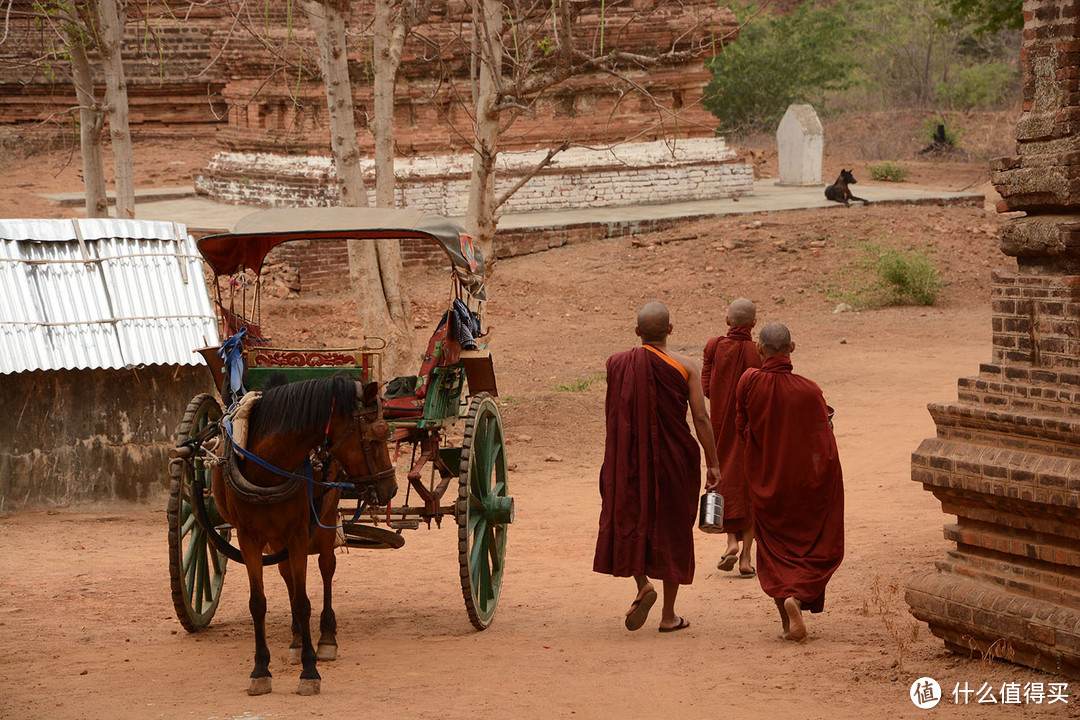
(100, 293)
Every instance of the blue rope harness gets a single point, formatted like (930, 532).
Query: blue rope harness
(307, 477)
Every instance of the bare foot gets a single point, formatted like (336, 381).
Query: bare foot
(796, 628)
(783, 615)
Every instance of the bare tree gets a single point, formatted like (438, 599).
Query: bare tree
(91, 120)
(110, 34)
(487, 74)
(78, 32)
(374, 268)
(522, 50)
(394, 19)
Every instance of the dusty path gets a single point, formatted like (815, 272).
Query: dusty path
(89, 630)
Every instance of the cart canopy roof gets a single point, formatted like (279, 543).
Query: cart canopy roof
(257, 234)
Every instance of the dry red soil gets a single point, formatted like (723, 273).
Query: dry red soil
(85, 610)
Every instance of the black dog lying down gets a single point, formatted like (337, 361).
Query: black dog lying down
(839, 192)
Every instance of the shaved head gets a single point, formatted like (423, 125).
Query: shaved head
(653, 322)
(742, 313)
(775, 339)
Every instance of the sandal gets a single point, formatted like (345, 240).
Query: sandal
(639, 610)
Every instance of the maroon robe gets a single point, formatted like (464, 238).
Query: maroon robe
(726, 358)
(651, 476)
(795, 482)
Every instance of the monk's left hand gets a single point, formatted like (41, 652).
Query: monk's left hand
(712, 479)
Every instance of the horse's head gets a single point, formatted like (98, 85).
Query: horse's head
(358, 443)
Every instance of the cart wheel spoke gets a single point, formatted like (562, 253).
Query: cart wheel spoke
(192, 549)
(217, 561)
(188, 525)
(493, 550)
(475, 521)
(485, 457)
(479, 547)
(198, 594)
(487, 592)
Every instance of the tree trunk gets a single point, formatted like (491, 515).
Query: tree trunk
(480, 216)
(110, 44)
(389, 41)
(328, 23)
(374, 267)
(91, 122)
(382, 124)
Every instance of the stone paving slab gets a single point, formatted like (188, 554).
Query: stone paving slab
(203, 216)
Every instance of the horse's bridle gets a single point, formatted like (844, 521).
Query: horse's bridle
(262, 495)
(368, 436)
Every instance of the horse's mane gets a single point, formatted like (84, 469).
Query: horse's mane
(295, 407)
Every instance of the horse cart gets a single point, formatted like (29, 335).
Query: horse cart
(330, 462)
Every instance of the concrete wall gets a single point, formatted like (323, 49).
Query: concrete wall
(85, 435)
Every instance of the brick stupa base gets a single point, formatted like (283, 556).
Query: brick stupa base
(1006, 459)
(1006, 462)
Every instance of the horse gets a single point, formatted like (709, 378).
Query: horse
(839, 191)
(341, 420)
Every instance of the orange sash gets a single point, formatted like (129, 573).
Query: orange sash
(682, 371)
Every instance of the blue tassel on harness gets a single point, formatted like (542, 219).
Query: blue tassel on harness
(232, 353)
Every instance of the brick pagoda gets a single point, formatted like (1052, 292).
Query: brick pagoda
(1006, 459)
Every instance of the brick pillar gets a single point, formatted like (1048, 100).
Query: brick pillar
(1006, 459)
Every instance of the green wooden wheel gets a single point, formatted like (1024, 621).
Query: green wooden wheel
(196, 568)
(484, 510)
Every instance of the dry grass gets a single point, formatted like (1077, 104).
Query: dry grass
(887, 601)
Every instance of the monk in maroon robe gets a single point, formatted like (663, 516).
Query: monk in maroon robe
(795, 482)
(651, 476)
(725, 360)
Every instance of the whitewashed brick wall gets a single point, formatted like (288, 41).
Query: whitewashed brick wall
(629, 174)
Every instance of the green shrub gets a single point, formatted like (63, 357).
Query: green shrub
(889, 172)
(986, 16)
(776, 61)
(904, 277)
(887, 276)
(985, 85)
(581, 384)
(952, 133)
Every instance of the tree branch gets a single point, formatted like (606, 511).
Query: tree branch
(551, 153)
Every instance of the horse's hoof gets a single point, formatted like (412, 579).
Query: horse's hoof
(259, 686)
(309, 686)
(294, 655)
(326, 652)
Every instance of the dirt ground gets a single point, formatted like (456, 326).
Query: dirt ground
(85, 610)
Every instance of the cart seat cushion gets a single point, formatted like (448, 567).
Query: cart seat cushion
(442, 350)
